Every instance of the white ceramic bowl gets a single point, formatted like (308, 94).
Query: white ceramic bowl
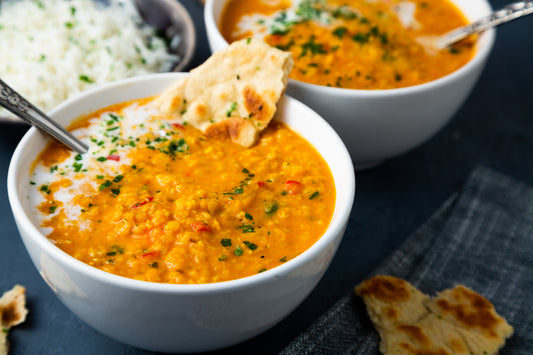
(179, 318)
(380, 124)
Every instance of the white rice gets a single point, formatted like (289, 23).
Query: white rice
(53, 49)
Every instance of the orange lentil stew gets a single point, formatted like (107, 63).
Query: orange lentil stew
(357, 44)
(156, 200)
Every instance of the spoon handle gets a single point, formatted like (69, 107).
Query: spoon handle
(503, 15)
(15, 103)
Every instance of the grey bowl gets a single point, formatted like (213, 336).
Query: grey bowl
(175, 24)
(172, 21)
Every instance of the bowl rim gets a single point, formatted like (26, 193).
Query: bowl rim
(336, 226)
(487, 39)
(190, 32)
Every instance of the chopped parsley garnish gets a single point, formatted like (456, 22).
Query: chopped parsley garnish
(248, 216)
(114, 250)
(262, 270)
(177, 146)
(118, 178)
(283, 260)
(313, 47)
(271, 207)
(361, 38)
(340, 31)
(238, 251)
(231, 109)
(222, 257)
(45, 189)
(246, 228)
(314, 195)
(105, 185)
(52, 209)
(86, 79)
(250, 246)
(225, 242)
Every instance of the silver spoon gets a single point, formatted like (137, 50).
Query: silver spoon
(503, 15)
(15, 103)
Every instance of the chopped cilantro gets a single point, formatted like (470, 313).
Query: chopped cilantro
(85, 78)
(225, 242)
(246, 228)
(238, 251)
(250, 246)
(45, 189)
(104, 185)
(271, 207)
(231, 109)
(339, 31)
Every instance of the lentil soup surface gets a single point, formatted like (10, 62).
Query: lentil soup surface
(156, 200)
(356, 44)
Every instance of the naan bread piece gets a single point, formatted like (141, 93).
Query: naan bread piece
(12, 312)
(483, 329)
(457, 321)
(429, 335)
(234, 93)
(390, 301)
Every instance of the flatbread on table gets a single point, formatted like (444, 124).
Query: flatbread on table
(234, 93)
(456, 321)
(12, 312)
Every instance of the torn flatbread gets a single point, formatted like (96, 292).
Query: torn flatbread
(234, 93)
(12, 312)
(456, 321)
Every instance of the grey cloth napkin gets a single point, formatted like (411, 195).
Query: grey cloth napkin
(481, 238)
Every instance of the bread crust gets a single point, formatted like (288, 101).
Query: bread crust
(456, 321)
(234, 93)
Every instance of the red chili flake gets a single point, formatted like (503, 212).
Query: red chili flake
(113, 157)
(261, 183)
(275, 39)
(200, 227)
(178, 125)
(139, 204)
(292, 187)
(150, 254)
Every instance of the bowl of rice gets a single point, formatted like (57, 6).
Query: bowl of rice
(54, 49)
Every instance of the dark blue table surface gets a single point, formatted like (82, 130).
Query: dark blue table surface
(493, 128)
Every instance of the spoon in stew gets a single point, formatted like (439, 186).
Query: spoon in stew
(508, 13)
(15, 103)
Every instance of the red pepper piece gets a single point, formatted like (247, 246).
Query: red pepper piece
(178, 125)
(200, 227)
(261, 183)
(292, 187)
(150, 254)
(139, 204)
(113, 157)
